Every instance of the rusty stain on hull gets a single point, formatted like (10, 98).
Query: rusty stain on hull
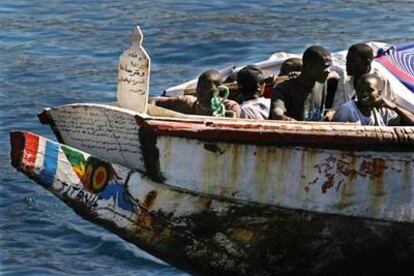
(328, 184)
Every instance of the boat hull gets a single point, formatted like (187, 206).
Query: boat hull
(338, 169)
(208, 234)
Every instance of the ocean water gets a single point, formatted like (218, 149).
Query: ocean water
(66, 51)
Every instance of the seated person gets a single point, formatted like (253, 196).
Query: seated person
(296, 99)
(359, 62)
(372, 109)
(208, 82)
(250, 81)
(290, 68)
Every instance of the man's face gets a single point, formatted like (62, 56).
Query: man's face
(321, 69)
(368, 92)
(352, 63)
(356, 65)
(207, 88)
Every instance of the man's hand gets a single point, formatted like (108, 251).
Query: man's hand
(286, 118)
(328, 116)
(270, 80)
(382, 102)
(333, 75)
(279, 114)
(407, 118)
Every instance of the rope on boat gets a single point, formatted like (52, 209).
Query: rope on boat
(217, 102)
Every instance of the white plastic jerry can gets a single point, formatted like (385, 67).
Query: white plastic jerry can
(133, 75)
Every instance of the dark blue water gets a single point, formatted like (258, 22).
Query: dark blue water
(59, 51)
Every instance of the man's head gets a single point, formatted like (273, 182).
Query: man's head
(316, 62)
(368, 90)
(250, 80)
(358, 59)
(290, 65)
(207, 83)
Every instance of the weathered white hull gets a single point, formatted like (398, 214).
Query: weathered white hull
(308, 166)
(208, 234)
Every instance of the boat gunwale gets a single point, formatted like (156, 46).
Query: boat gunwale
(327, 135)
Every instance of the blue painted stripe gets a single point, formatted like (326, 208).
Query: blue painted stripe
(47, 175)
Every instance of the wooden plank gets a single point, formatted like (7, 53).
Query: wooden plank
(134, 74)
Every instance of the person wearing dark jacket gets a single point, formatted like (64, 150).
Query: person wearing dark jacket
(298, 98)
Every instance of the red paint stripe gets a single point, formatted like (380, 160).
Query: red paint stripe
(395, 70)
(30, 149)
(317, 134)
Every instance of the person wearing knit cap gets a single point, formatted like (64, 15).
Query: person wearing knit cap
(250, 82)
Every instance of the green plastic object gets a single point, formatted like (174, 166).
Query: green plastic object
(217, 102)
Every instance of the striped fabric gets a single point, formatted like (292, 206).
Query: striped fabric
(400, 63)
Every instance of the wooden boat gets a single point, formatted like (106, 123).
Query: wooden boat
(225, 196)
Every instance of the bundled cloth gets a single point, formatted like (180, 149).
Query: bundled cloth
(399, 60)
(399, 64)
